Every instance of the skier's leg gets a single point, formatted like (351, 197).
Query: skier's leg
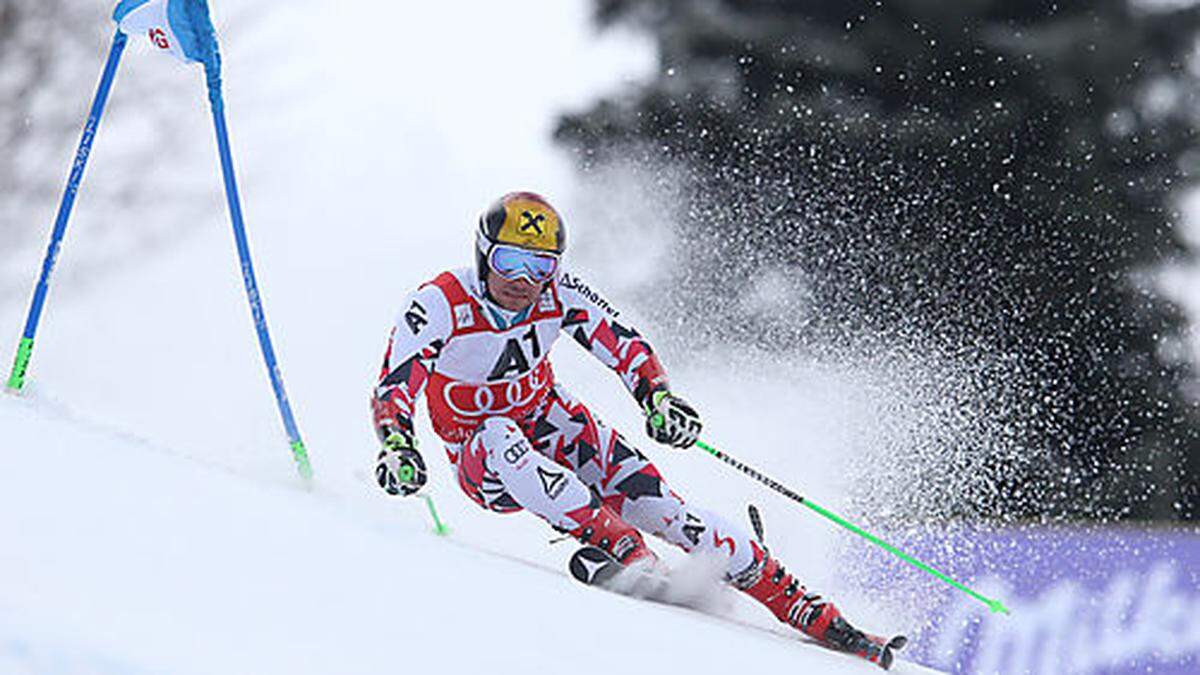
(750, 568)
(501, 471)
(479, 482)
(629, 484)
(632, 486)
(769, 583)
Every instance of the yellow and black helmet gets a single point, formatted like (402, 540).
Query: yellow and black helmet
(522, 219)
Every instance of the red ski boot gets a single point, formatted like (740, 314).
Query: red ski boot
(617, 538)
(769, 583)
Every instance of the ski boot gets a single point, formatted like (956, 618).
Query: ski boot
(769, 583)
(615, 557)
(620, 540)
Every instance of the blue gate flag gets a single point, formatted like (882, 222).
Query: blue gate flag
(181, 27)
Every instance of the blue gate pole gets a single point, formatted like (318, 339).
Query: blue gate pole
(239, 234)
(16, 379)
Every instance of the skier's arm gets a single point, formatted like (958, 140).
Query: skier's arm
(595, 325)
(417, 338)
(421, 329)
(593, 322)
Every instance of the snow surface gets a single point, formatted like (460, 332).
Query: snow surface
(123, 556)
(153, 521)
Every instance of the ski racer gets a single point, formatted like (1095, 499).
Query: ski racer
(477, 340)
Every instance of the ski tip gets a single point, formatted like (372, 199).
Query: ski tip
(887, 656)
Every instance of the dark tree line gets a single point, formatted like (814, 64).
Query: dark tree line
(995, 174)
(38, 43)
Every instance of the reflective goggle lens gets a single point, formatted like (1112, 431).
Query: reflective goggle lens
(513, 263)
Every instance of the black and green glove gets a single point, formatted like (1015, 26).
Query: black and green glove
(399, 469)
(671, 420)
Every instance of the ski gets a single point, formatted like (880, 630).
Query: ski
(593, 566)
(873, 648)
(881, 651)
(889, 648)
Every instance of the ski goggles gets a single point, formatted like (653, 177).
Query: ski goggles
(513, 263)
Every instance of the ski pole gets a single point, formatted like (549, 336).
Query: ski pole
(439, 528)
(16, 379)
(993, 604)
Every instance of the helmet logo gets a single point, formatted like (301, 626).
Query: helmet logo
(522, 219)
(532, 222)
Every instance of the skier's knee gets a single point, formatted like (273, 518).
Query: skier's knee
(502, 441)
(698, 530)
(477, 464)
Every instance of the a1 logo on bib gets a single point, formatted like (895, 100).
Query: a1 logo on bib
(512, 359)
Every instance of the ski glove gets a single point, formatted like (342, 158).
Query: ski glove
(399, 469)
(670, 420)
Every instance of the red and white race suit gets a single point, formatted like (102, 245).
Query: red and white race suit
(517, 438)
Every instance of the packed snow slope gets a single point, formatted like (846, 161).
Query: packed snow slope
(123, 556)
(152, 518)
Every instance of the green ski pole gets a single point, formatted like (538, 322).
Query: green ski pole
(439, 528)
(993, 604)
(406, 474)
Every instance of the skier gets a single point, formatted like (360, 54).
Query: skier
(478, 341)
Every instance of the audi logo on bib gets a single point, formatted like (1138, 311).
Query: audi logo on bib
(469, 401)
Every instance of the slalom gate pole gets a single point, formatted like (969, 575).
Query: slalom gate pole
(16, 379)
(993, 604)
(299, 452)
